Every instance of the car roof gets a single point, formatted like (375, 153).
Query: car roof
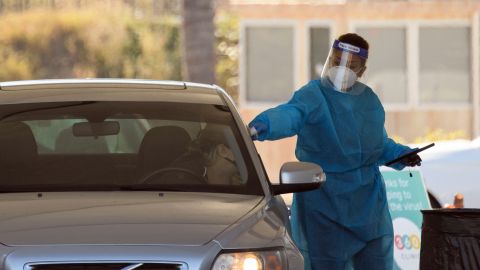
(32, 91)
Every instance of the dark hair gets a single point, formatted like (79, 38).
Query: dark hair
(354, 39)
(209, 137)
(207, 140)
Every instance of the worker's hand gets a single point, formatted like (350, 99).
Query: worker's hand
(412, 161)
(257, 129)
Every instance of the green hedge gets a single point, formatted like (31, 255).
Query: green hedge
(89, 43)
(94, 42)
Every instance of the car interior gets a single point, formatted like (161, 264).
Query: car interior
(66, 152)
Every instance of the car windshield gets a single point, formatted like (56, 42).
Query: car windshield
(108, 146)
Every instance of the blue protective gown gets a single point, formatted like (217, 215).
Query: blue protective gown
(347, 220)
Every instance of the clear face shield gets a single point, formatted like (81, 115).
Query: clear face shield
(344, 66)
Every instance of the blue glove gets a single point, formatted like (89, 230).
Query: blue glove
(258, 130)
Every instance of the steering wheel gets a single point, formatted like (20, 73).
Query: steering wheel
(198, 178)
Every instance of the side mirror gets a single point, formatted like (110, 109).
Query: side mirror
(298, 177)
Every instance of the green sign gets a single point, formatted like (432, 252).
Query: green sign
(406, 195)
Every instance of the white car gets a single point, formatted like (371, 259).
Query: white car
(133, 174)
(452, 167)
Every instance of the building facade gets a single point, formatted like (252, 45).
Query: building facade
(423, 64)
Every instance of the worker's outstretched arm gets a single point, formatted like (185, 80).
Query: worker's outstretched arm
(286, 119)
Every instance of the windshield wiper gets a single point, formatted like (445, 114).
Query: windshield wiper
(139, 187)
(149, 188)
(14, 191)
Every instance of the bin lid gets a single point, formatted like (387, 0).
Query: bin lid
(464, 221)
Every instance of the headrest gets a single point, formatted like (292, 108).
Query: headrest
(161, 145)
(17, 143)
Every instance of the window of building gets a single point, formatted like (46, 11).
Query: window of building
(386, 70)
(444, 65)
(269, 62)
(419, 62)
(319, 48)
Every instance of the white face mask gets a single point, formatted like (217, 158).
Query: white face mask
(342, 78)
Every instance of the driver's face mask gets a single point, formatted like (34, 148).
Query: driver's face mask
(344, 66)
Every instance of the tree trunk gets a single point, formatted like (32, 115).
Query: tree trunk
(198, 41)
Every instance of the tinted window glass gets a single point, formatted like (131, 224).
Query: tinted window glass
(123, 145)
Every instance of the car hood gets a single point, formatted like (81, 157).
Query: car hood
(118, 218)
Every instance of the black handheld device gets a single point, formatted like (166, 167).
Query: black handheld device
(411, 153)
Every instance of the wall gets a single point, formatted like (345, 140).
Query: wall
(409, 122)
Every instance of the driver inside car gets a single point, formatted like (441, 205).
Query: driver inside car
(208, 158)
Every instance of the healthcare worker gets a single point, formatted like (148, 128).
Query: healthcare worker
(339, 122)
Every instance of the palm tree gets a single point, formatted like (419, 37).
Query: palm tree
(198, 41)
